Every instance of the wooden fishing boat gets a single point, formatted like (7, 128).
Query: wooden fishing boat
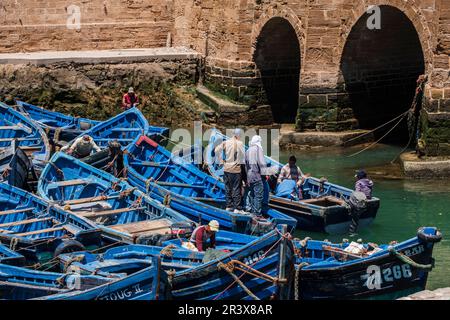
(18, 283)
(327, 271)
(145, 284)
(324, 207)
(260, 268)
(16, 130)
(39, 231)
(188, 190)
(124, 128)
(57, 125)
(123, 213)
(7, 256)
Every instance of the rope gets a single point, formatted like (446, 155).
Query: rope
(237, 279)
(379, 127)
(167, 250)
(244, 273)
(376, 142)
(410, 261)
(297, 280)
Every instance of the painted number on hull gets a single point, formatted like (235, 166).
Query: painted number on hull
(376, 277)
(124, 294)
(254, 258)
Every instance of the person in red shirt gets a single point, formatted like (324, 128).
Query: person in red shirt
(204, 237)
(130, 100)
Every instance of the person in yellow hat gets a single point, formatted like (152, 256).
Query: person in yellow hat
(204, 237)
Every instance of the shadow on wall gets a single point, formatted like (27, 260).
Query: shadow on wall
(380, 70)
(277, 57)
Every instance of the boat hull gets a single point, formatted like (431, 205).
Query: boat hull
(382, 277)
(332, 220)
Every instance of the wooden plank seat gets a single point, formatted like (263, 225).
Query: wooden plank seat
(69, 183)
(341, 252)
(91, 206)
(31, 233)
(159, 226)
(179, 185)
(8, 212)
(126, 129)
(88, 200)
(19, 139)
(30, 286)
(110, 139)
(23, 222)
(151, 164)
(16, 128)
(98, 214)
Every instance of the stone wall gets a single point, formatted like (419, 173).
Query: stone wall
(334, 82)
(35, 25)
(95, 90)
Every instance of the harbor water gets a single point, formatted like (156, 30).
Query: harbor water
(406, 204)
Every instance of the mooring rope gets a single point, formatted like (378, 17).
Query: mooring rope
(409, 261)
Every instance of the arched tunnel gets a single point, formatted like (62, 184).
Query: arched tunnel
(277, 57)
(380, 69)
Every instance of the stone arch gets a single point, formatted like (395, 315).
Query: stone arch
(379, 68)
(409, 8)
(278, 11)
(277, 39)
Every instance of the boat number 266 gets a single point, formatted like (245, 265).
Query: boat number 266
(376, 276)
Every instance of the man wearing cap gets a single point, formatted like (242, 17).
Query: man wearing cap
(82, 147)
(363, 184)
(130, 99)
(204, 237)
(232, 167)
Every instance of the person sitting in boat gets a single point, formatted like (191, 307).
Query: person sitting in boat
(82, 147)
(204, 237)
(363, 184)
(232, 167)
(130, 99)
(290, 180)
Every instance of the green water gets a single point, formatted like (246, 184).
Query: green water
(406, 204)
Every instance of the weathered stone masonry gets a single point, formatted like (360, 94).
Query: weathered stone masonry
(317, 55)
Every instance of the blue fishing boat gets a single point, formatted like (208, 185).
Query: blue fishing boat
(145, 284)
(124, 128)
(39, 231)
(121, 212)
(58, 126)
(188, 190)
(18, 283)
(16, 130)
(331, 271)
(259, 268)
(322, 207)
(7, 256)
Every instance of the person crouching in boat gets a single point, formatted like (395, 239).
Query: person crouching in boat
(82, 147)
(293, 173)
(130, 99)
(232, 167)
(363, 184)
(204, 237)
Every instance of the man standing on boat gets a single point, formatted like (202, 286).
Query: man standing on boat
(204, 237)
(82, 147)
(130, 99)
(256, 167)
(232, 167)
